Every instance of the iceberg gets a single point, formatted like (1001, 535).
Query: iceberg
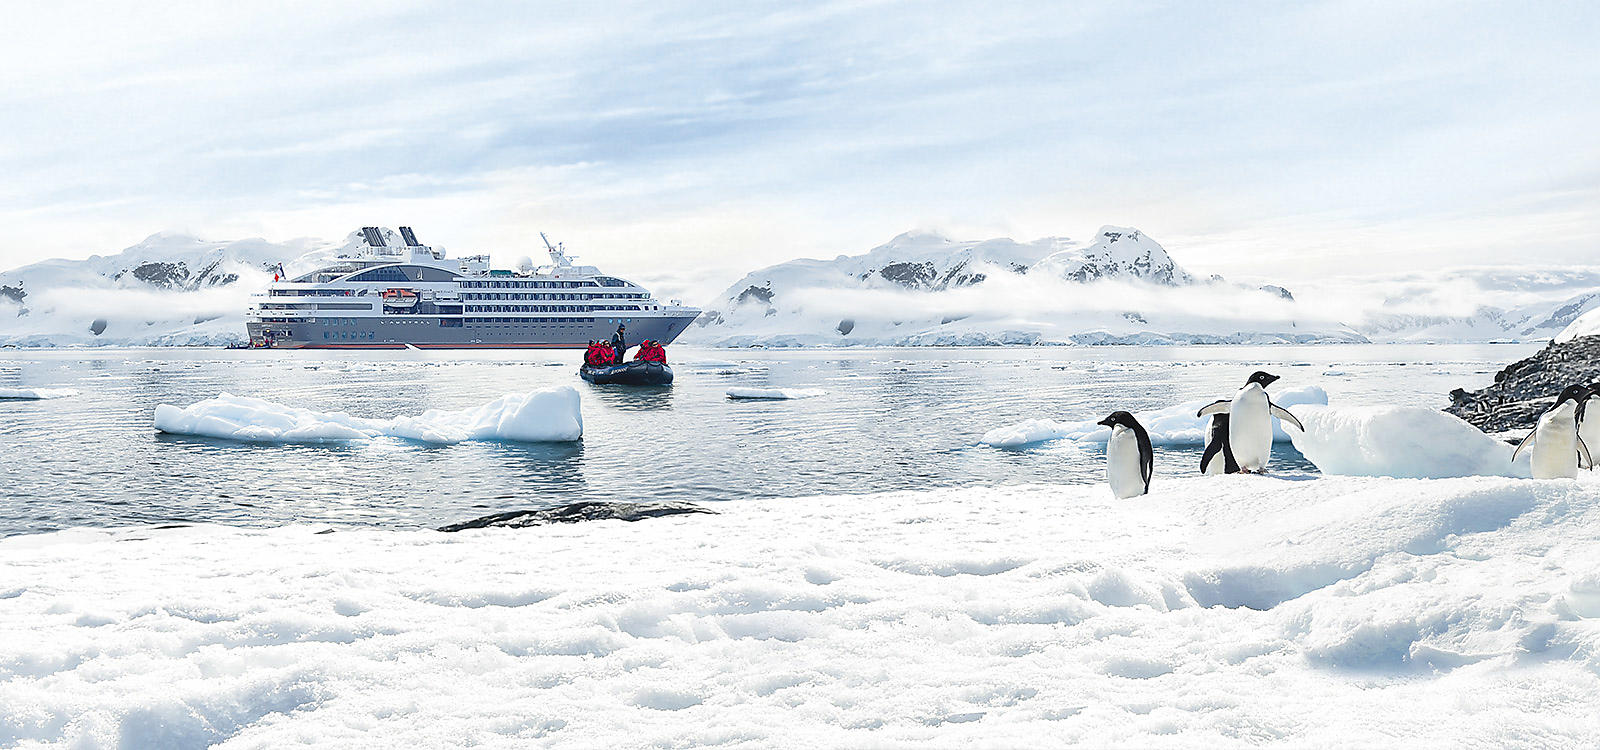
(1173, 425)
(550, 415)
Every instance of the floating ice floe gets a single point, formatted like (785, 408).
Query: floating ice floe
(1400, 441)
(1174, 425)
(774, 393)
(34, 394)
(548, 415)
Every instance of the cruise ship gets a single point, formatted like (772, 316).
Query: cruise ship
(389, 291)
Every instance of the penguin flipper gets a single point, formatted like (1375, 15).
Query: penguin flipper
(1527, 442)
(1585, 461)
(1283, 414)
(1216, 407)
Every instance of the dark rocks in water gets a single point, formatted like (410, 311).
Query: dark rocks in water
(585, 511)
(1523, 390)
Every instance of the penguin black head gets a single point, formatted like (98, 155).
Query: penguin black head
(1577, 394)
(1264, 378)
(1119, 418)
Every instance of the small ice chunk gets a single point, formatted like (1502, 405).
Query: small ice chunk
(551, 415)
(1400, 441)
(774, 393)
(35, 394)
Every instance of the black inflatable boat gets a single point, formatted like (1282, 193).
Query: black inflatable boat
(633, 373)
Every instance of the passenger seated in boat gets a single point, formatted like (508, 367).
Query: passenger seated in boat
(650, 351)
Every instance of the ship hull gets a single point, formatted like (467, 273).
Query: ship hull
(427, 332)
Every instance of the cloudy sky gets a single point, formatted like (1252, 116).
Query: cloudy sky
(683, 145)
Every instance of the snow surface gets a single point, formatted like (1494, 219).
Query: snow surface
(548, 415)
(1400, 441)
(774, 393)
(1587, 324)
(1214, 612)
(1173, 425)
(36, 393)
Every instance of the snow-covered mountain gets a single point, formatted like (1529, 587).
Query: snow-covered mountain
(1121, 288)
(170, 289)
(925, 289)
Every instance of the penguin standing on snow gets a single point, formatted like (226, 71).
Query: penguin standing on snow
(1250, 414)
(1129, 458)
(1557, 451)
(1589, 429)
(1218, 457)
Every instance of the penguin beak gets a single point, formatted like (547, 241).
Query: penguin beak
(1269, 380)
(1107, 422)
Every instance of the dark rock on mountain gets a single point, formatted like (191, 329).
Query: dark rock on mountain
(764, 294)
(586, 511)
(13, 293)
(1277, 290)
(1523, 390)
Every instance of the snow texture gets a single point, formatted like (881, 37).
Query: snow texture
(549, 415)
(30, 394)
(1215, 612)
(774, 394)
(1173, 425)
(1400, 441)
(1587, 324)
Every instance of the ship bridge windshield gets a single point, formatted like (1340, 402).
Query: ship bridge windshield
(404, 273)
(609, 281)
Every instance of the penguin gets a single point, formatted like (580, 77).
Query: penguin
(1556, 450)
(1129, 458)
(1589, 429)
(1218, 457)
(1250, 414)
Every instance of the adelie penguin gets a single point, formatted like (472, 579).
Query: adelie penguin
(1557, 451)
(1218, 456)
(1250, 414)
(1589, 418)
(1129, 458)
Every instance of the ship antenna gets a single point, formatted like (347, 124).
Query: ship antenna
(558, 253)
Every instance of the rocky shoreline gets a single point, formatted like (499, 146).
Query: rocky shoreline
(1523, 390)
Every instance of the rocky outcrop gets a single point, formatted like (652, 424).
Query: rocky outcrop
(586, 511)
(1523, 390)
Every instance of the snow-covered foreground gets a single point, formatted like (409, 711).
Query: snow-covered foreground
(552, 414)
(1215, 612)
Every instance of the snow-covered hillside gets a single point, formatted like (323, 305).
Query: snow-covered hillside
(1122, 288)
(925, 289)
(168, 289)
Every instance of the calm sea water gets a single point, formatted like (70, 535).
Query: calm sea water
(891, 419)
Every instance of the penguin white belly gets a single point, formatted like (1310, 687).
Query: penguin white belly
(1250, 428)
(1122, 463)
(1555, 445)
